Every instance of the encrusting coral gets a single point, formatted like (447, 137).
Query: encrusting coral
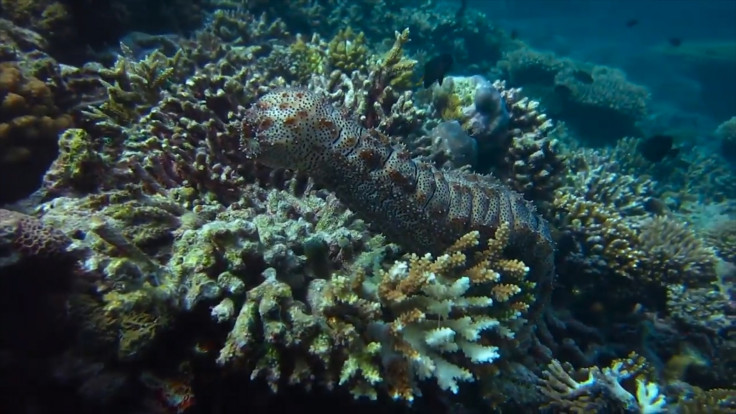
(32, 112)
(26, 237)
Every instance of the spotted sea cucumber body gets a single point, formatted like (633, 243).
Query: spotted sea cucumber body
(413, 203)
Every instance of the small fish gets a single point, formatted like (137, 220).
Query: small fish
(675, 41)
(655, 206)
(436, 68)
(657, 147)
(632, 22)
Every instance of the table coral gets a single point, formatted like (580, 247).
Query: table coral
(527, 66)
(598, 102)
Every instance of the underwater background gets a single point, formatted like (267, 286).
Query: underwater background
(223, 206)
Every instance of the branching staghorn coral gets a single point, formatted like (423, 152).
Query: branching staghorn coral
(598, 178)
(722, 237)
(599, 239)
(180, 115)
(383, 332)
(673, 253)
(379, 94)
(439, 314)
(137, 86)
(717, 400)
(347, 51)
(608, 389)
(534, 162)
(692, 177)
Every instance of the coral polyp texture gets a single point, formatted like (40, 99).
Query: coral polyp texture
(23, 236)
(412, 202)
(443, 318)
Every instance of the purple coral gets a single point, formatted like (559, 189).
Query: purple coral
(23, 236)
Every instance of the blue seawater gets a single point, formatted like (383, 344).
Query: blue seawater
(695, 81)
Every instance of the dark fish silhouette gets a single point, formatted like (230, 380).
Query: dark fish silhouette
(655, 206)
(632, 22)
(436, 68)
(675, 41)
(657, 147)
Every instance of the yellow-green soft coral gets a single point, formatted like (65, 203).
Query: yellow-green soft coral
(122, 324)
(133, 86)
(78, 165)
(396, 70)
(308, 57)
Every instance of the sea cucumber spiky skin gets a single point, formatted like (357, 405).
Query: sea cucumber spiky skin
(413, 203)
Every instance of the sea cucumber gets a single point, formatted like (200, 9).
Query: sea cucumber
(413, 203)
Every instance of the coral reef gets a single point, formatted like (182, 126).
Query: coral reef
(187, 254)
(597, 102)
(674, 253)
(436, 323)
(582, 394)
